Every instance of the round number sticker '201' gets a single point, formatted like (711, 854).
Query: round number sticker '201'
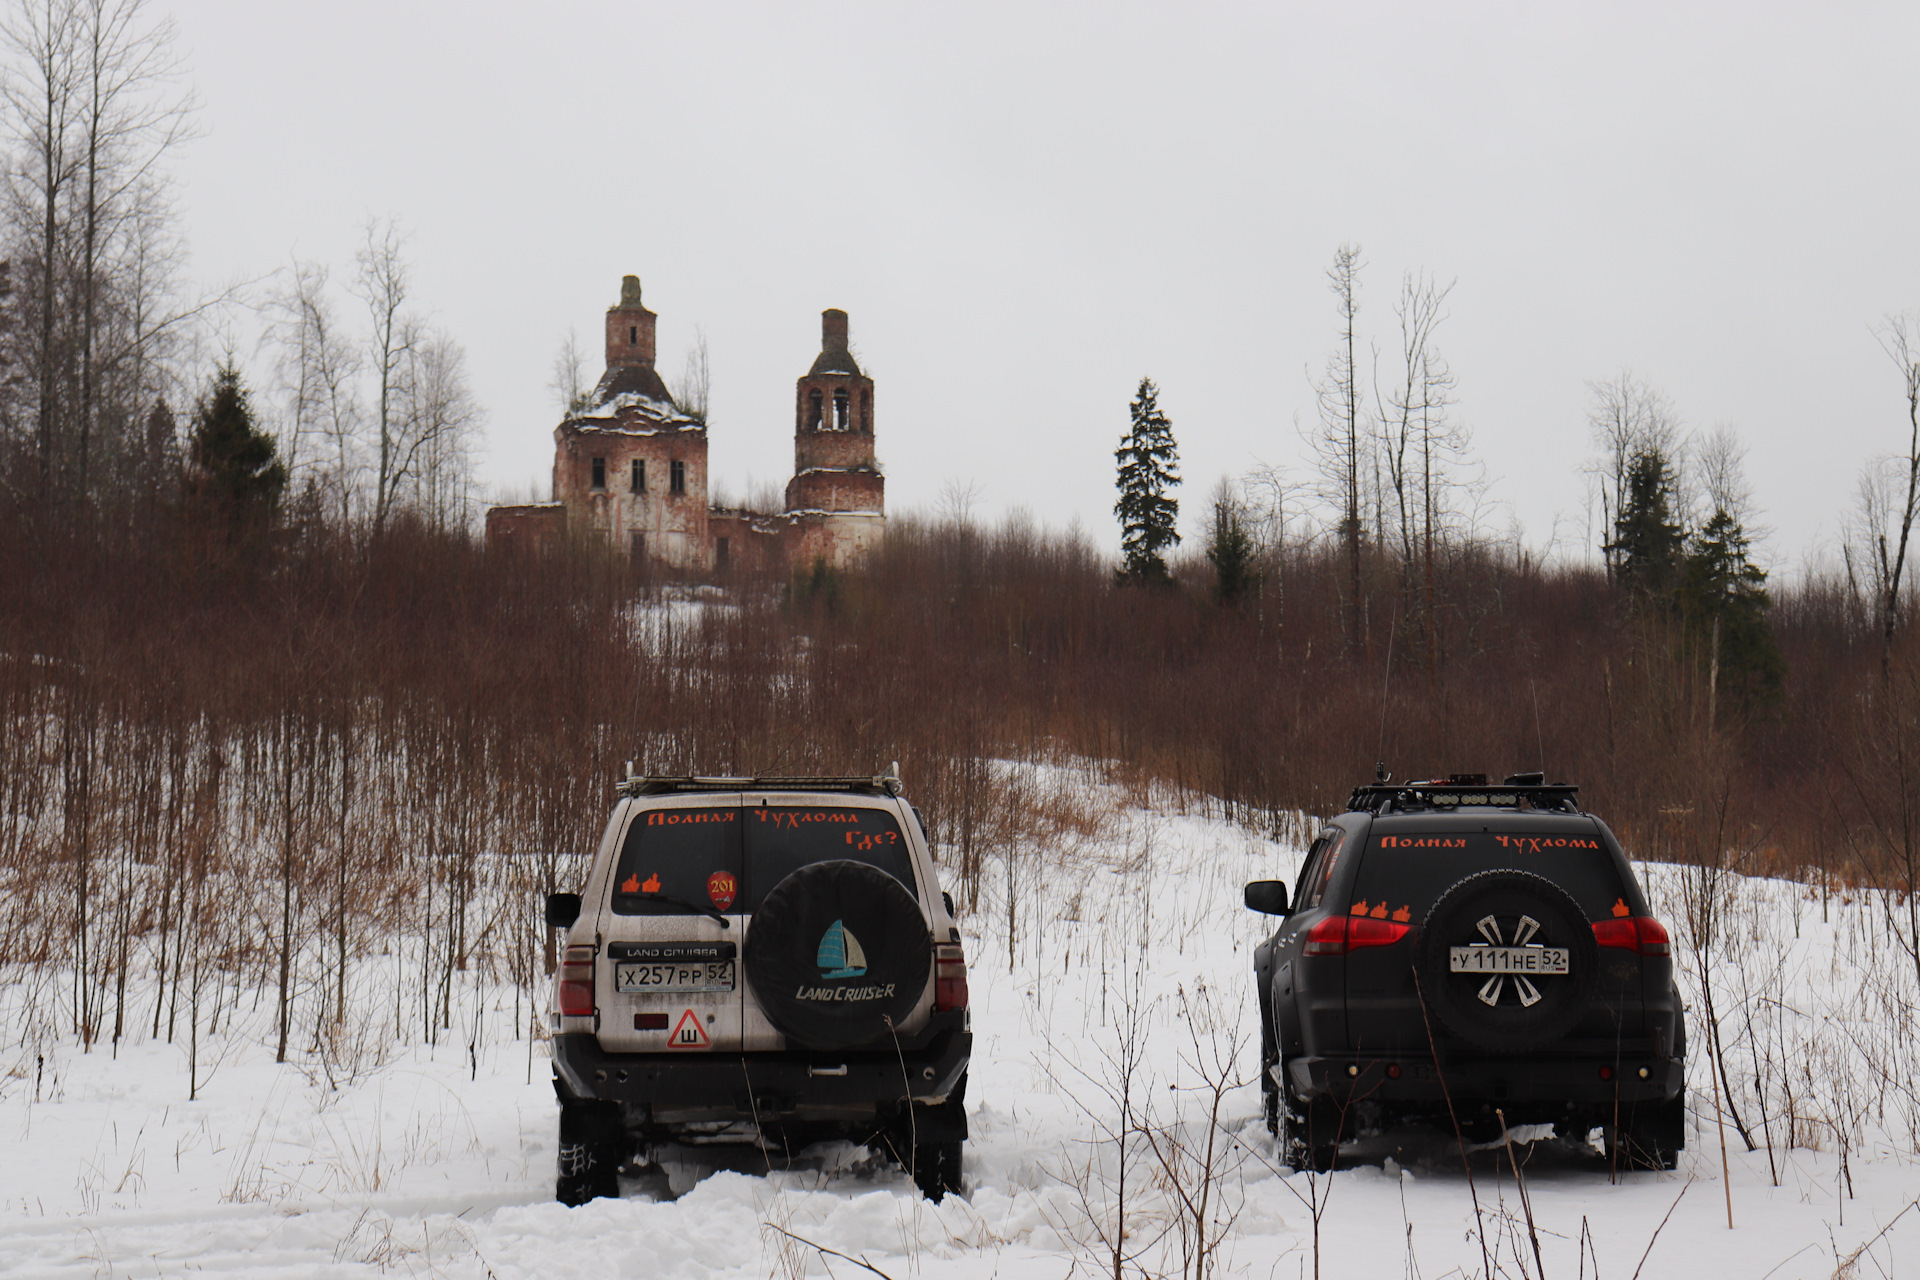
(721, 888)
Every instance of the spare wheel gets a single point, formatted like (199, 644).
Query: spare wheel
(837, 953)
(1507, 960)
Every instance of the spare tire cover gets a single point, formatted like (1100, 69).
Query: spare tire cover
(836, 953)
(1507, 1013)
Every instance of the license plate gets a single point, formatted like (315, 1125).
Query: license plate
(1507, 959)
(712, 975)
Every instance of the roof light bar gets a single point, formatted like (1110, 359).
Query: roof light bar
(634, 785)
(1456, 792)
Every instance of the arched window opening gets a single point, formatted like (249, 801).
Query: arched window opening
(840, 421)
(599, 475)
(813, 408)
(866, 412)
(677, 476)
(633, 335)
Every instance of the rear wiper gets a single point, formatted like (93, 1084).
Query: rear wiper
(681, 902)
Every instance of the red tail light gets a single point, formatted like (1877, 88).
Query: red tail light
(1641, 934)
(1337, 935)
(573, 988)
(949, 978)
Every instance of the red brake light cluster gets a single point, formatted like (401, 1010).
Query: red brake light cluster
(1641, 934)
(949, 978)
(573, 985)
(1337, 935)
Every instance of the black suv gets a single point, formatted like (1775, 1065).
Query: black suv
(1457, 949)
(764, 961)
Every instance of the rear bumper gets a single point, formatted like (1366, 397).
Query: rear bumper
(925, 1069)
(1573, 1080)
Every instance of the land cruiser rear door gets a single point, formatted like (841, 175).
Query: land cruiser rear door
(782, 833)
(670, 977)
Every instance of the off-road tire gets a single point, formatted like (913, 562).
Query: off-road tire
(593, 1144)
(1310, 1133)
(1507, 1026)
(1269, 1088)
(1656, 1133)
(936, 1169)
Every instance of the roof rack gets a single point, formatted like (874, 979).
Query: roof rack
(1464, 790)
(635, 785)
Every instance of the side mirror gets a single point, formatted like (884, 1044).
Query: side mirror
(947, 898)
(1269, 897)
(562, 910)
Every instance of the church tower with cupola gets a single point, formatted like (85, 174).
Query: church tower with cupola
(837, 496)
(630, 467)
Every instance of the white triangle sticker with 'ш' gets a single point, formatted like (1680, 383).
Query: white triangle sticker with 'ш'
(689, 1034)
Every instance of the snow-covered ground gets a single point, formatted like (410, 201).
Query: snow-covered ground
(438, 1160)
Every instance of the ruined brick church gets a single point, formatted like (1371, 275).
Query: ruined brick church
(630, 467)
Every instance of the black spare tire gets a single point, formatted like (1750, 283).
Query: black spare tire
(836, 952)
(1506, 1012)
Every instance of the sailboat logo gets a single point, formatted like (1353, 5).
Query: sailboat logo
(840, 955)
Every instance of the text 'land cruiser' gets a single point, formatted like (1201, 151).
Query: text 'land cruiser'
(759, 960)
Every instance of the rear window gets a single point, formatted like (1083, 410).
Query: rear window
(1402, 875)
(681, 861)
(1319, 869)
(780, 840)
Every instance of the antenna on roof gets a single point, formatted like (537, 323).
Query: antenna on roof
(1381, 774)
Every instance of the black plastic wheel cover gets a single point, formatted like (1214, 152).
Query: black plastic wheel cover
(836, 951)
(1507, 1025)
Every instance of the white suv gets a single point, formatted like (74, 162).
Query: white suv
(760, 960)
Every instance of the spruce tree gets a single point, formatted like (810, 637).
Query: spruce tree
(1647, 542)
(1230, 550)
(1724, 601)
(236, 476)
(1147, 459)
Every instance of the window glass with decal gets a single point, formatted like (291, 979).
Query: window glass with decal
(1404, 873)
(780, 840)
(677, 862)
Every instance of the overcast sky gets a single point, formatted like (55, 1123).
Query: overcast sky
(1027, 208)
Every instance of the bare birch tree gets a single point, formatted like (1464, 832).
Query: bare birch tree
(692, 391)
(1900, 339)
(131, 115)
(382, 282)
(1416, 437)
(438, 426)
(1341, 443)
(95, 108)
(42, 98)
(569, 379)
(316, 365)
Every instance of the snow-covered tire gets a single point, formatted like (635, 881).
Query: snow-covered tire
(593, 1144)
(1656, 1134)
(1310, 1130)
(936, 1169)
(1269, 1087)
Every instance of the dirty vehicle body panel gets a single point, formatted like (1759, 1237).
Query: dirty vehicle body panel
(680, 1044)
(1564, 1012)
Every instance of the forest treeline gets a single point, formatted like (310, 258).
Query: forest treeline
(273, 764)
